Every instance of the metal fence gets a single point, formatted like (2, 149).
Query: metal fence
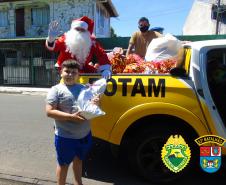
(27, 63)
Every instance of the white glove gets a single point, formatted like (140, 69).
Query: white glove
(106, 74)
(53, 32)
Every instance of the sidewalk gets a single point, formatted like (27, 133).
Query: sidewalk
(9, 182)
(18, 180)
(24, 90)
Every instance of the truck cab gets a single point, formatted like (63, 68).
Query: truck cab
(208, 71)
(144, 110)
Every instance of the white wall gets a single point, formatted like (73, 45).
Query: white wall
(199, 21)
(64, 11)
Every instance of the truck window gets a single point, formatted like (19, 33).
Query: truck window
(216, 77)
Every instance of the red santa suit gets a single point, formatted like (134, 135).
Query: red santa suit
(95, 50)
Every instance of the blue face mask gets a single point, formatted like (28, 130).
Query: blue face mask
(143, 28)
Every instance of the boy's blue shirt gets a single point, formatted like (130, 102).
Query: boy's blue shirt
(65, 98)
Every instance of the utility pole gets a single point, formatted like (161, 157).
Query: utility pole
(218, 16)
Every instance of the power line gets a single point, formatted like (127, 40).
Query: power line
(153, 15)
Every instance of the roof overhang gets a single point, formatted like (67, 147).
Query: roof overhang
(106, 3)
(110, 7)
(4, 1)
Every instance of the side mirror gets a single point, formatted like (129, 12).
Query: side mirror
(177, 71)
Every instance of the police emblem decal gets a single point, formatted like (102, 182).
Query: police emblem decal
(210, 156)
(176, 153)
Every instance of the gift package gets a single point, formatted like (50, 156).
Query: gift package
(87, 108)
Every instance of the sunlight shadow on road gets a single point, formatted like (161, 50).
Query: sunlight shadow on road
(102, 166)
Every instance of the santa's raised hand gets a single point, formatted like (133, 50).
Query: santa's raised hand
(54, 31)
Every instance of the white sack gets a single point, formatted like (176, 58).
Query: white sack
(89, 110)
(163, 48)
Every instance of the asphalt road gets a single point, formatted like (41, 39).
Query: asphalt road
(27, 151)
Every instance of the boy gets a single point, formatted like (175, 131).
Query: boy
(72, 131)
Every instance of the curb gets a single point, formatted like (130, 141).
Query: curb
(24, 90)
(35, 181)
(26, 180)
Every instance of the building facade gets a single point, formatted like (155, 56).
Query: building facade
(30, 18)
(203, 16)
(24, 60)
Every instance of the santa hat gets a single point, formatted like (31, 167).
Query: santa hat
(83, 22)
(79, 24)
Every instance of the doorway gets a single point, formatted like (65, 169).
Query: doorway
(20, 22)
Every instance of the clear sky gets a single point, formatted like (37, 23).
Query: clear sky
(169, 14)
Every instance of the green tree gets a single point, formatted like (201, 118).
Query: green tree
(113, 34)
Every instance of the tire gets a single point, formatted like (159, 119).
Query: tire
(144, 154)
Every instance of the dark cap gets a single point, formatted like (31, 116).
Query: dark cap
(144, 19)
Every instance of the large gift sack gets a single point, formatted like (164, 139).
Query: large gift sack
(164, 53)
(163, 48)
(85, 106)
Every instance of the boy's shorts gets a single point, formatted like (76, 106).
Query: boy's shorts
(67, 148)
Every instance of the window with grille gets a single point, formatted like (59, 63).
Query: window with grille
(101, 17)
(102, 20)
(3, 18)
(40, 16)
(221, 13)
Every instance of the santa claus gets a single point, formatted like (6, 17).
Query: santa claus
(79, 44)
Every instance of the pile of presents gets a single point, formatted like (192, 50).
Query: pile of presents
(133, 63)
(162, 55)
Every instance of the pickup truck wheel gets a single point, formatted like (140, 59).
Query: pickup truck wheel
(144, 155)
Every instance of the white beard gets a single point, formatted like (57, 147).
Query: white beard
(78, 44)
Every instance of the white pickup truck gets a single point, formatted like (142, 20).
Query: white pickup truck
(143, 111)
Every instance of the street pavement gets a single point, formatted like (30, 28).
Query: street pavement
(27, 152)
(6, 179)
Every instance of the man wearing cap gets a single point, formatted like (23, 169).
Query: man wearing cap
(78, 44)
(141, 39)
